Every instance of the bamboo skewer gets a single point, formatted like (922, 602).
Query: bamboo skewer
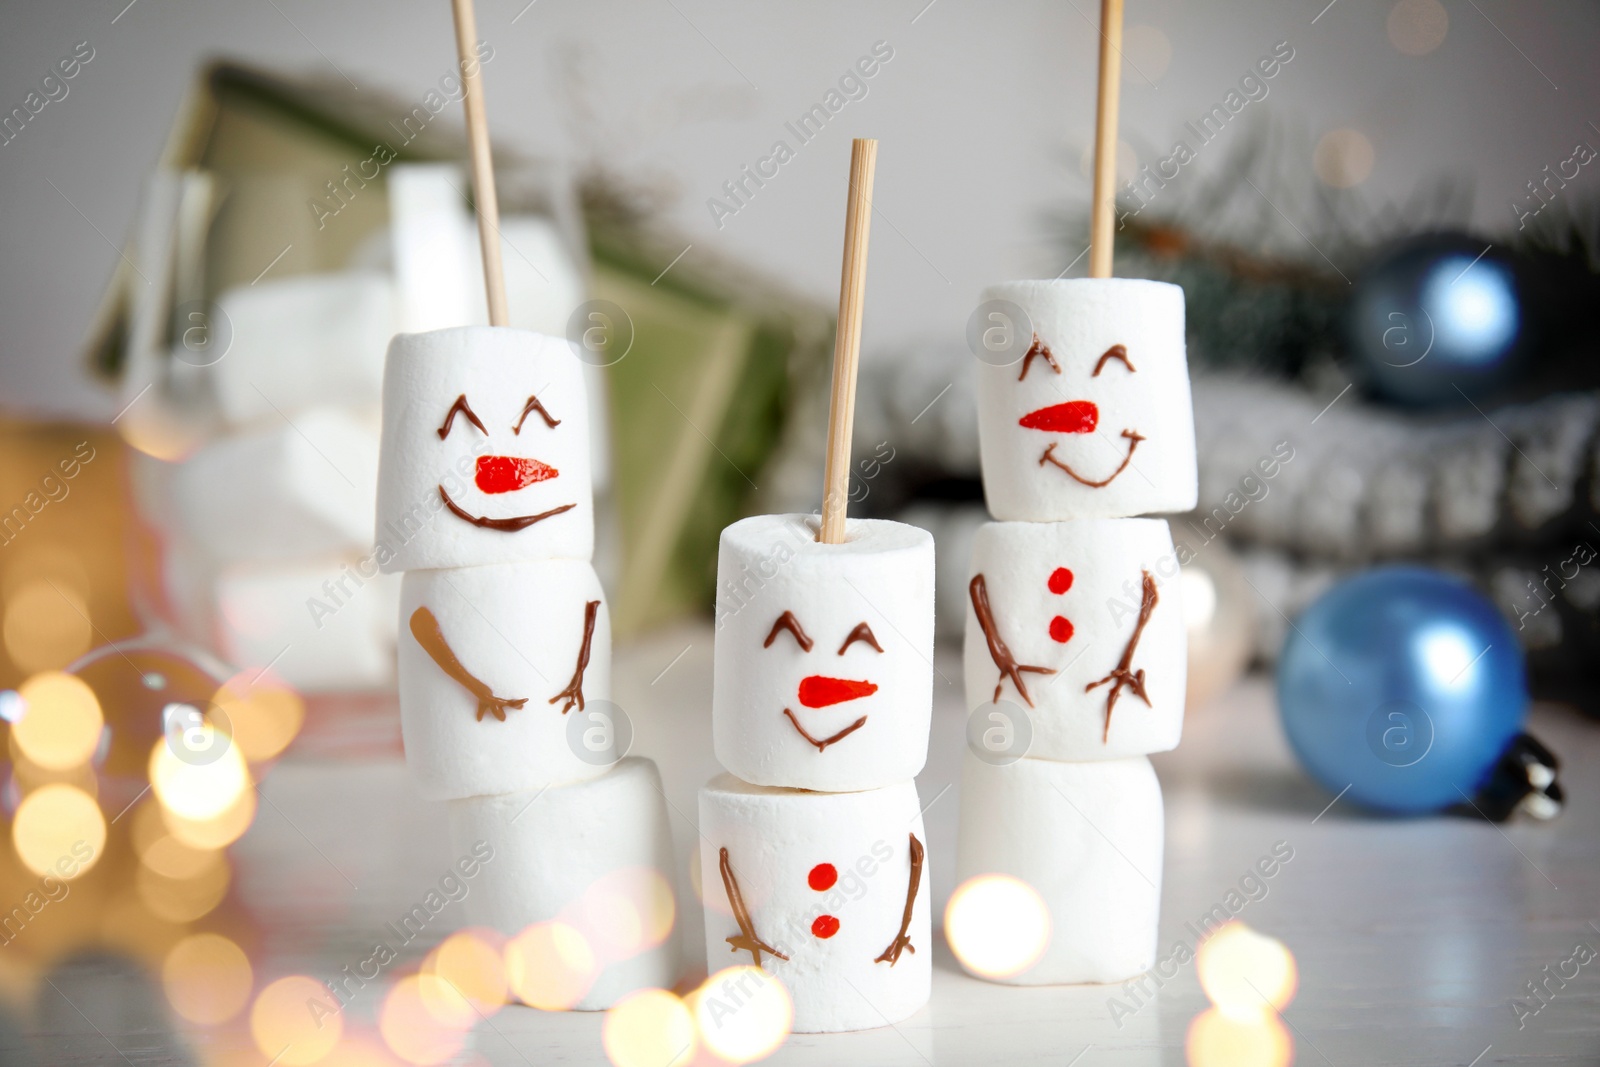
(847, 342)
(494, 281)
(1102, 219)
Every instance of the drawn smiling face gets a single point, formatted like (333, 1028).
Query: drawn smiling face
(817, 691)
(485, 453)
(1089, 413)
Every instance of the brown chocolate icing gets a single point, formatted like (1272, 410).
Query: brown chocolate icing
(1038, 348)
(826, 741)
(902, 940)
(746, 938)
(998, 650)
(862, 632)
(460, 407)
(425, 628)
(1122, 674)
(531, 406)
(573, 693)
(1133, 436)
(1114, 352)
(511, 525)
(787, 621)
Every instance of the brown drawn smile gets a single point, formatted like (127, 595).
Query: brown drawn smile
(510, 525)
(1133, 436)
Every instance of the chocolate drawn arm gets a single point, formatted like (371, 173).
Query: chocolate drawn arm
(746, 938)
(425, 628)
(902, 940)
(573, 693)
(1123, 674)
(1003, 659)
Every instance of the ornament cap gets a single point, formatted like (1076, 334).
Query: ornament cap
(1522, 780)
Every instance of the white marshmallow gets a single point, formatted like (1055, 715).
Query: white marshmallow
(825, 877)
(499, 372)
(580, 854)
(1088, 421)
(518, 628)
(769, 686)
(320, 625)
(306, 341)
(283, 492)
(1088, 838)
(1100, 565)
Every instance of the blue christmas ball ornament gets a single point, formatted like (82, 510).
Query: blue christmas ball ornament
(1407, 686)
(1440, 320)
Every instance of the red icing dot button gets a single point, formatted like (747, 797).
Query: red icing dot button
(822, 877)
(1060, 580)
(825, 926)
(1060, 630)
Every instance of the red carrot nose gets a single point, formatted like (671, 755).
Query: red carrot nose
(818, 692)
(1075, 416)
(503, 474)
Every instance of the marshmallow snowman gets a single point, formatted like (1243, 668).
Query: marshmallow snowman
(1095, 419)
(827, 892)
(491, 662)
(485, 451)
(823, 665)
(1081, 624)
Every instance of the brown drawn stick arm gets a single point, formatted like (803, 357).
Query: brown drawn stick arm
(902, 940)
(1123, 673)
(746, 938)
(573, 693)
(999, 651)
(425, 628)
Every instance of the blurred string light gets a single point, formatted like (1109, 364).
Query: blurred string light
(623, 913)
(286, 1030)
(207, 978)
(1249, 978)
(1417, 27)
(742, 1014)
(1148, 50)
(470, 964)
(187, 898)
(265, 714)
(11, 705)
(60, 725)
(997, 925)
(46, 624)
(650, 1028)
(200, 777)
(59, 830)
(550, 966)
(1343, 158)
(1473, 307)
(412, 1030)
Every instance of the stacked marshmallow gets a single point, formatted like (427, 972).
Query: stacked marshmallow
(485, 503)
(1075, 642)
(813, 860)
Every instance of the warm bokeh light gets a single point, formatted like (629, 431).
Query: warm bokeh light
(742, 1014)
(168, 856)
(1215, 1040)
(199, 791)
(997, 925)
(295, 1021)
(623, 913)
(59, 830)
(362, 1052)
(550, 966)
(410, 1028)
(1343, 158)
(1148, 51)
(264, 712)
(46, 625)
(219, 832)
(1417, 27)
(183, 900)
(1247, 975)
(650, 1028)
(61, 721)
(471, 965)
(207, 978)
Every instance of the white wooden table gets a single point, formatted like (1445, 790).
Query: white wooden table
(1412, 936)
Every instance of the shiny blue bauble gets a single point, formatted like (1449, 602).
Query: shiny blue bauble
(1439, 321)
(1403, 684)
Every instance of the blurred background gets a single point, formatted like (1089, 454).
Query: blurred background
(1385, 216)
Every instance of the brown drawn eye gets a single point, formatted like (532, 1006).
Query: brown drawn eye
(460, 407)
(862, 632)
(787, 621)
(529, 408)
(1119, 352)
(1042, 351)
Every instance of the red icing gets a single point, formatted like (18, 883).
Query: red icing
(1060, 580)
(818, 692)
(822, 877)
(1075, 416)
(505, 474)
(1060, 630)
(825, 926)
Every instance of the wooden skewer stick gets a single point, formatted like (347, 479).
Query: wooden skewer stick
(494, 280)
(1102, 228)
(847, 343)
